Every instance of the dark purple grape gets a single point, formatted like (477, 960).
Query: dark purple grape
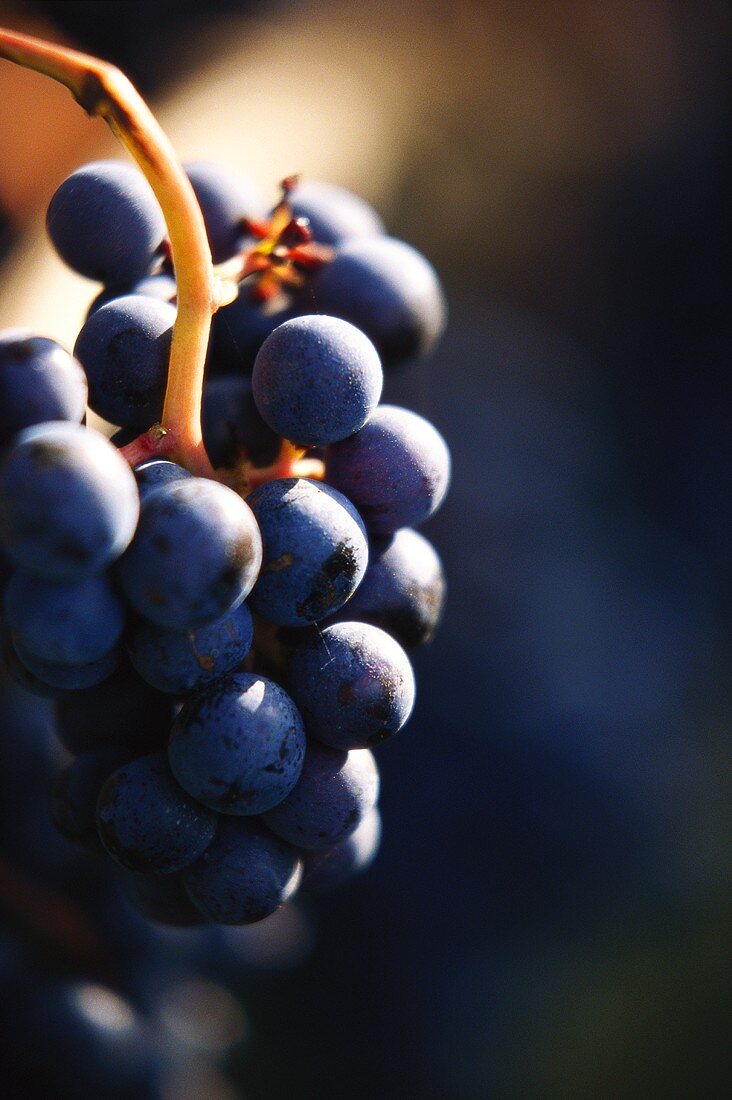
(334, 793)
(396, 470)
(147, 822)
(195, 555)
(316, 380)
(68, 501)
(324, 871)
(238, 745)
(105, 222)
(388, 290)
(39, 381)
(124, 348)
(314, 551)
(334, 214)
(244, 876)
(180, 663)
(353, 685)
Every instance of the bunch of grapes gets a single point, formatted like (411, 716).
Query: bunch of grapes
(224, 652)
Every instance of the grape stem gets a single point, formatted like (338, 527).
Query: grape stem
(103, 91)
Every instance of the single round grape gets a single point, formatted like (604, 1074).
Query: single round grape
(105, 222)
(403, 589)
(39, 381)
(315, 551)
(316, 380)
(180, 663)
(334, 214)
(155, 472)
(147, 822)
(68, 501)
(335, 791)
(225, 199)
(396, 470)
(324, 871)
(233, 430)
(124, 348)
(388, 290)
(69, 677)
(65, 622)
(238, 745)
(353, 685)
(245, 875)
(195, 556)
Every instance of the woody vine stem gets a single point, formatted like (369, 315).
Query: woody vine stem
(105, 92)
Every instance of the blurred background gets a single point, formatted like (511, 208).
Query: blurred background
(549, 912)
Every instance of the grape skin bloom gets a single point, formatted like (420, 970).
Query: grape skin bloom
(354, 685)
(147, 822)
(68, 501)
(105, 222)
(316, 380)
(244, 876)
(333, 795)
(238, 746)
(396, 470)
(195, 556)
(315, 551)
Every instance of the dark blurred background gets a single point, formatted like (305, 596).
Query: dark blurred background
(548, 915)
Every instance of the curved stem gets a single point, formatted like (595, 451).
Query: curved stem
(104, 91)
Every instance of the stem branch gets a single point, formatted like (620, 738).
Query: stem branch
(103, 91)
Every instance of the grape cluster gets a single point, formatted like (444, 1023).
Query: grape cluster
(224, 655)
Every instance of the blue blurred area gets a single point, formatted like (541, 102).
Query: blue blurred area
(549, 912)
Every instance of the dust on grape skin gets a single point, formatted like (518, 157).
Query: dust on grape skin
(340, 563)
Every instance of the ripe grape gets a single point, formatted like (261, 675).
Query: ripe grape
(149, 823)
(353, 685)
(64, 622)
(39, 381)
(403, 589)
(334, 214)
(396, 470)
(194, 557)
(68, 501)
(245, 875)
(233, 430)
(316, 380)
(124, 348)
(104, 221)
(314, 551)
(179, 663)
(237, 746)
(225, 200)
(388, 290)
(324, 871)
(335, 791)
